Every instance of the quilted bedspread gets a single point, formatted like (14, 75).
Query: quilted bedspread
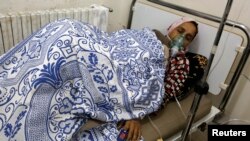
(68, 72)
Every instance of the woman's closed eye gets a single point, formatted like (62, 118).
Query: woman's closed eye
(189, 37)
(181, 30)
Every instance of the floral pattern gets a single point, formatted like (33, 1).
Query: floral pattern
(68, 72)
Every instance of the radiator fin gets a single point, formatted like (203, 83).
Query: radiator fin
(14, 27)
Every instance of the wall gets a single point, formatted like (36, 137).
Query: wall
(7, 6)
(119, 18)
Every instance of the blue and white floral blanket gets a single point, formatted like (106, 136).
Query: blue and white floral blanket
(69, 72)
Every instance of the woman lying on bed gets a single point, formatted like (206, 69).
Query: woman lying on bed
(183, 30)
(180, 34)
(69, 72)
(184, 68)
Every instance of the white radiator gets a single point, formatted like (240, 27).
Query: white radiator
(15, 27)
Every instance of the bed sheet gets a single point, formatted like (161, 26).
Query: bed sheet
(68, 72)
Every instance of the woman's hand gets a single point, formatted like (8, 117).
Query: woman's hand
(134, 129)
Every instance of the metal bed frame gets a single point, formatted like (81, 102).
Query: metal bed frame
(203, 87)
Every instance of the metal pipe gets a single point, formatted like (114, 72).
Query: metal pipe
(233, 82)
(203, 15)
(217, 39)
(131, 14)
(240, 26)
(110, 9)
(191, 116)
(196, 101)
(187, 10)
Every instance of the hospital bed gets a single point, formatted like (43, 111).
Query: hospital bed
(170, 122)
(231, 55)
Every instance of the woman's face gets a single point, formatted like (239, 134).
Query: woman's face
(189, 31)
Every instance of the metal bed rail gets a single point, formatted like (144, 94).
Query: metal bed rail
(230, 23)
(223, 21)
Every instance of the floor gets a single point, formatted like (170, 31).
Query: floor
(201, 134)
(198, 136)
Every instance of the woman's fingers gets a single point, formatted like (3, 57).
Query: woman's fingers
(126, 125)
(136, 134)
(134, 129)
(130, 130)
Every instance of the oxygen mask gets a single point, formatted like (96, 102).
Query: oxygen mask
(176, 45)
